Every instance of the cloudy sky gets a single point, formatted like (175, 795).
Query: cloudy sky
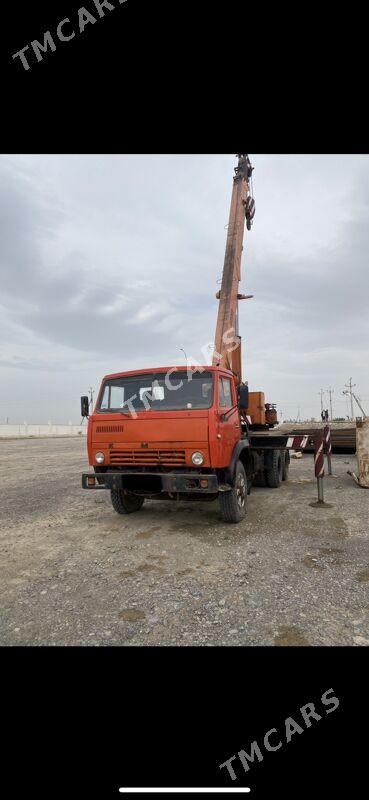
(111, 262)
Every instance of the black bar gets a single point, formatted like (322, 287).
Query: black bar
(264, 441)
(170, 482)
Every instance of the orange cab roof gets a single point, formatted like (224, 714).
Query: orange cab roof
(181, 368)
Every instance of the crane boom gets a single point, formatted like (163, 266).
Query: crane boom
(227, 352)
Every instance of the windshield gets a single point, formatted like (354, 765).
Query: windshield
(171, 391)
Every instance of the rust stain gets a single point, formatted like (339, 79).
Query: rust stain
(289, 635)
(132, 614)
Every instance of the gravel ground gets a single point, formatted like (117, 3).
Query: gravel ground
(76, 573)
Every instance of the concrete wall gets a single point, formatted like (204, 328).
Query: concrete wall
(19, 431)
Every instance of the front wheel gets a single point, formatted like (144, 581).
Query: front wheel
(125, 502)
(233, 503)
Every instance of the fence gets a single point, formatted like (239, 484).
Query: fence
(27, 431)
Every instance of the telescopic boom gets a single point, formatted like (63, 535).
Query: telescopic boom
(227, 351)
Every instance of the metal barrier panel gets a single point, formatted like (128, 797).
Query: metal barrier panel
(362, 451)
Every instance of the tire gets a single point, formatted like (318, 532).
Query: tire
(125, 502)
(274, 474)
(285, 465)
(234, 502)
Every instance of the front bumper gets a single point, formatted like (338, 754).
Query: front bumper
(184, 482)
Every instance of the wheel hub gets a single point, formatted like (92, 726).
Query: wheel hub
(241, 491)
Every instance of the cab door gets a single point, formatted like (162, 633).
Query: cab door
(228, 429)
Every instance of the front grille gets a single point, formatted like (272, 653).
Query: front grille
(109, 428)
(149, 457)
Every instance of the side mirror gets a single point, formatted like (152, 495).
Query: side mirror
(243, 396)
(85, 406)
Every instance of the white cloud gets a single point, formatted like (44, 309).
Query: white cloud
(112, 262)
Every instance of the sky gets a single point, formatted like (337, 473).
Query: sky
(112, 262)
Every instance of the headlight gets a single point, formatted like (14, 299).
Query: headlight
(197, 458)
(99, 458)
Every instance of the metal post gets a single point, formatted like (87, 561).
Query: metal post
(320, 489)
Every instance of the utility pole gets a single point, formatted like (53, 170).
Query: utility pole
(349, 388)
(321, 392)
(330, 392)
(358, 402)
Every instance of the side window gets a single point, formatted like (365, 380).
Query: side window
(117, 397)
(225, 393)
(105, 398)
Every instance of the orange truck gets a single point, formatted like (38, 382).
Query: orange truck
(190, 432)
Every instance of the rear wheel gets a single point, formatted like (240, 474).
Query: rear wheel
(274, 474)
(286, 465)
(233, 503)
(125, 502)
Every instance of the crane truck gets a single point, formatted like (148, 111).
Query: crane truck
(194, 432)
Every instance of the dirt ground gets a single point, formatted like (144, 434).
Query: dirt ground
(73, 572)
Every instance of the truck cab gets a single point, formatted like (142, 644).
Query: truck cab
(170, 432)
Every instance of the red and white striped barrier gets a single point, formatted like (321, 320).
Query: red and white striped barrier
(319, 455)
(320, 439)
(328, 447)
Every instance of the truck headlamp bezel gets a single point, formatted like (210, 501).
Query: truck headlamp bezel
(99, 458)
(197, 458)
